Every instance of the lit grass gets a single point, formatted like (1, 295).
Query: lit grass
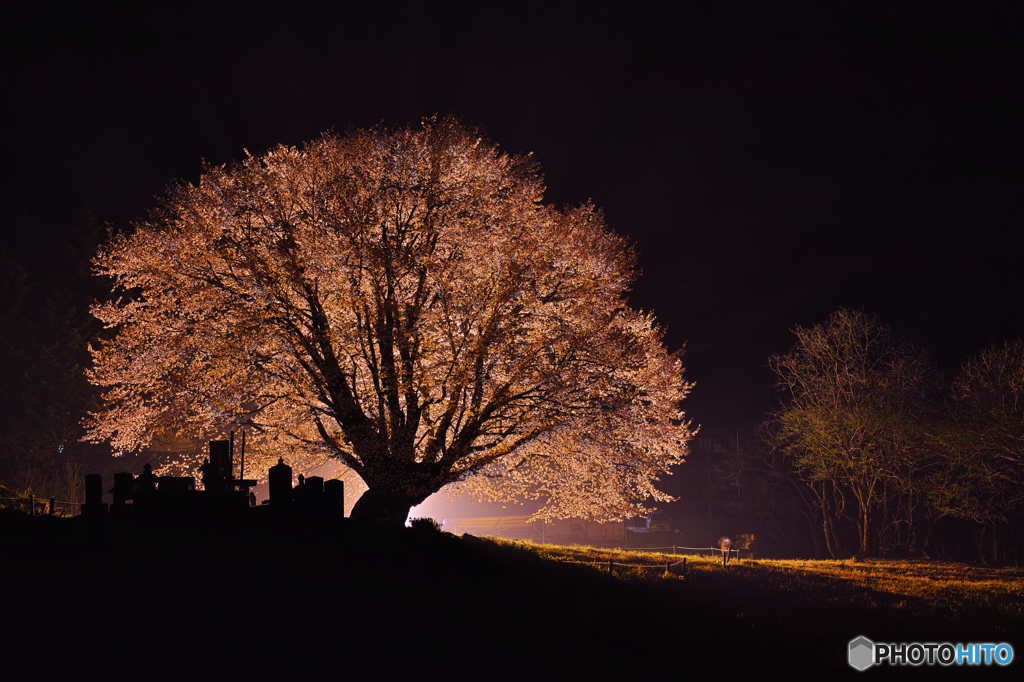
(920, 588)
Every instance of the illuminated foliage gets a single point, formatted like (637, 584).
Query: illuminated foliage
(402, 301)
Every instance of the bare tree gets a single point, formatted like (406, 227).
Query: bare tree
(983, 481)
(854, 420)
(400, 300)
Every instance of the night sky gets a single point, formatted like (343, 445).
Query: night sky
(770, 165)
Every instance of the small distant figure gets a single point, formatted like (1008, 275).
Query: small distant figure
(252, 499)
(744, 545)
(741, 544)
(725, 543)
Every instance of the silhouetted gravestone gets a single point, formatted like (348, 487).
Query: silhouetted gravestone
(123, 490)
(176, 494)
(334, 495)
(280, 483)
(299, 491)
(220, 464)
(314, 489)
(144, 494)
(207, 475)
(94, 489)
(94, 505)
(176, 484)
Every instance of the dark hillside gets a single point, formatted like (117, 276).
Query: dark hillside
(323, 597)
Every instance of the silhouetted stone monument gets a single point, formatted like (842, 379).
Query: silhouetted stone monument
(220, 464)
(94, 505)
(156, 497)
(176, 484)
(314, 489)
(334, 495)
(207, 475)
(174, 495)
(123, 490)
(145, 484)
(280, 483)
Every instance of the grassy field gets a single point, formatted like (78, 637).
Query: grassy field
(794, 619)
(948, 590)
(322, 597)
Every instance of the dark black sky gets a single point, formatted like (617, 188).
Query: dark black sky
(770, 164)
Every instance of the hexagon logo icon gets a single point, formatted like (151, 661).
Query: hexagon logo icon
(862, 653)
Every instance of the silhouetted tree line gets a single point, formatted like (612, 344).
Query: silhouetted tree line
(45, 326)
(873, 453)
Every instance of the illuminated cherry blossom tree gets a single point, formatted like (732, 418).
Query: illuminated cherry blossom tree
(402, 301)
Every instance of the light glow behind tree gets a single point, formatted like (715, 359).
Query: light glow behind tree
(400, 300)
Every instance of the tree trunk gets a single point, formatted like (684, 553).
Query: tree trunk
(980, 534)
(863, 520)
(832, 540)
(394, 491)
(814, 525)
(378, 506)
(865, 534)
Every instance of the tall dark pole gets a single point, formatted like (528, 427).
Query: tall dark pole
(241, 470)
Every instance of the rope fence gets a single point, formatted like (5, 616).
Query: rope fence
(674, 548)
(680, 566)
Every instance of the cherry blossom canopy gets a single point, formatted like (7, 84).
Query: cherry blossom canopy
(402, 301)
